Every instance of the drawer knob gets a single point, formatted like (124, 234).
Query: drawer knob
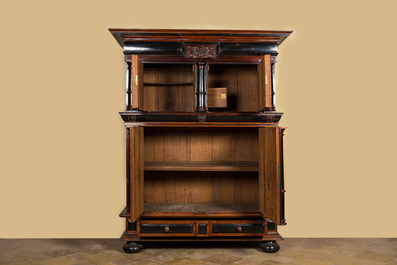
(239, 228)
(166, 229)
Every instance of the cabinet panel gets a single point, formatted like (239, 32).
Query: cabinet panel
(137, 172)
(268, 188)
(136, 82)
(265, 92)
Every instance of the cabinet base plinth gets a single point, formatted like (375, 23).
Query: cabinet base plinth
(270, 246)
(132, 247)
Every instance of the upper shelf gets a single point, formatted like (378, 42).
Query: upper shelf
(176, 42)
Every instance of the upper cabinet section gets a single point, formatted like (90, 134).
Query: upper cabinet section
(200, 72)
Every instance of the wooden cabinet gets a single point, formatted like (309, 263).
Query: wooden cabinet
(204, 148)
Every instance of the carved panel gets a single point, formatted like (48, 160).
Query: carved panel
(201, 51)
(201, 118)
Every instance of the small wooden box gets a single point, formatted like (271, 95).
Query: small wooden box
(217, 97)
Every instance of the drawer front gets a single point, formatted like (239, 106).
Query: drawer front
(166, 228)
(237, 229)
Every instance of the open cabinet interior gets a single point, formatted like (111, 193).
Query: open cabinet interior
(171, 87)
(201, 170)
(168, 87)
(241, 82)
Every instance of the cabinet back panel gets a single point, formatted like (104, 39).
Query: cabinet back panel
(168, 88)
(201, 145)
(241, 83)
(201, 187)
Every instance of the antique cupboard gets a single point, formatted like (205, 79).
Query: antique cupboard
(204, 148)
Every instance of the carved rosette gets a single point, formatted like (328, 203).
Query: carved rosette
(201, 51)
(201, 118)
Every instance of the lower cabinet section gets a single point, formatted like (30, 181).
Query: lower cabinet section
(165, 228)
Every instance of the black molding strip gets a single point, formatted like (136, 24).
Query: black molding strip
(199, 117)
(177, 48)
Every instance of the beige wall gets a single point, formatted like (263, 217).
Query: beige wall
(62, 81)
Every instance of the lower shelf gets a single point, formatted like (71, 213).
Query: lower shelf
(203, 166)
(200, 207)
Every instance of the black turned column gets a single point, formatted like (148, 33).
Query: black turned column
(129, 87)
(273, 85)
(201, 72)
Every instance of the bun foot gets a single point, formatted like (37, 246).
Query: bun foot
(132, 247)
(270, 246)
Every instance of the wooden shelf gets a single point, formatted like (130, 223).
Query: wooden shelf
(201, 208)
(168, 84)
(202, 166)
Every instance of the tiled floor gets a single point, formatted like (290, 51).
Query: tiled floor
(109, 251)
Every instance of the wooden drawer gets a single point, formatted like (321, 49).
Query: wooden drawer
(166, 228)
(237, 228)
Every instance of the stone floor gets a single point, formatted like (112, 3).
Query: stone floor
(109, 251)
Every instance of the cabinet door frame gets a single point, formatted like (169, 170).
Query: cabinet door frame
(269, 173)
(134, 82)
(265, 92)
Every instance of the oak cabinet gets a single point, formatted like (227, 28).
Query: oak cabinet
(204, 148)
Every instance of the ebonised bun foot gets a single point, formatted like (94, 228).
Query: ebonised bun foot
(270, 246)
(132, 247)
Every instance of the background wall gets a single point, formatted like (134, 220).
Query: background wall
(62, 85)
